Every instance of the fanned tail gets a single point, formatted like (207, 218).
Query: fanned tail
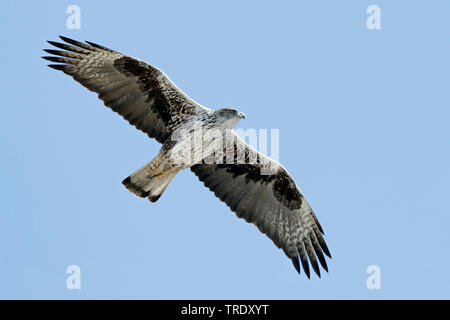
(147, 183)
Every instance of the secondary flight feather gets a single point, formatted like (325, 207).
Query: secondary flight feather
(255, 187)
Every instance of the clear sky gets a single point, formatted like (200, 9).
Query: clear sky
(364, 130)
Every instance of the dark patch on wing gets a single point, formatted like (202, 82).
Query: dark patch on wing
(249, 164)
(283, 188)
(139, 92)
(273, 203)
(146, 76)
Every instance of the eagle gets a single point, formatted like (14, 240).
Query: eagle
(254, 186)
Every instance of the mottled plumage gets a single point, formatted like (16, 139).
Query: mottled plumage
(147, 99)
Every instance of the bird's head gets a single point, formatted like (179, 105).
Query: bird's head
(230, 116)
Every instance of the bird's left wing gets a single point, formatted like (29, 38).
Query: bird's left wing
(262, 192)
(139, 92)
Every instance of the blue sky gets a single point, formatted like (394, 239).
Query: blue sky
(364, 130)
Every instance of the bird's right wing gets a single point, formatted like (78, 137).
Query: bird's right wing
(139, 92)
(259, 190)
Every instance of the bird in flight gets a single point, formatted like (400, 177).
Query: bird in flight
(254, 186)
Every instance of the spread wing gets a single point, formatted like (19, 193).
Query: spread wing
(139, 92)
(262, 192)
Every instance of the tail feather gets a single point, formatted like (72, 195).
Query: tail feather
(143, 184)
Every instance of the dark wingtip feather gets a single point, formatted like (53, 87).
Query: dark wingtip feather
(76, 43)
(67, 47)
(65, 38)
(95, 45)
(296, 264)
(318, 252)
(322, 243)
(324, 247)
(57, 66)
(328, 254)
(57, 59)
(54, 43)
(304, 261)
(68, 54)
(320, 227)
(51, 51)
(313, 261)
(316, 268)
(307, 272)
(323, 263)
(68, 40)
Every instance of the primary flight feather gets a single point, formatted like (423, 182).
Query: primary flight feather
(254, 186)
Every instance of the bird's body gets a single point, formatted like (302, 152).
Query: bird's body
(192, 140)
(254, 186)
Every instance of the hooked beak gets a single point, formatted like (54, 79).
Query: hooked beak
(241, 115)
